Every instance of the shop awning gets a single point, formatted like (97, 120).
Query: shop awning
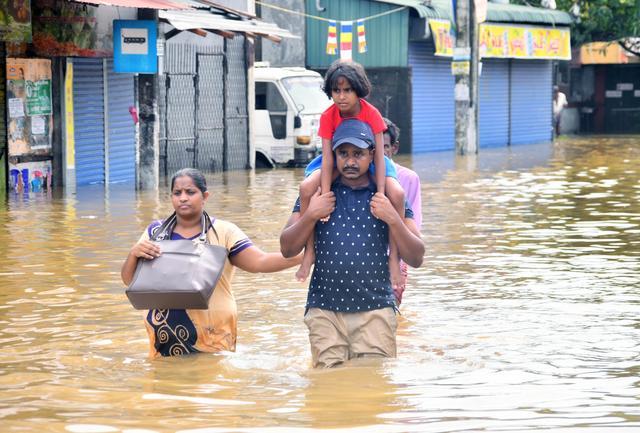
(508, 13)
(496, 12)
(142, 4)
(420, 6)
(207, 20)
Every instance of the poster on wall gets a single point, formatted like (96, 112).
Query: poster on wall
(15, 20)
(63, 28)
(30, 176)
(29, 108)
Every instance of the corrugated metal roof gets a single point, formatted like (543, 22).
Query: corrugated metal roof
(142, 4)
(525, 14)
(417, 5)
(203, 19)
(496, 12)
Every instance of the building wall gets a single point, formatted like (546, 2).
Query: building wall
(288, 52)
(387, 36)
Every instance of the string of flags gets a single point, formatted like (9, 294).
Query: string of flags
(332, 40)
(362, 40)
(346, 39)
(346, 30)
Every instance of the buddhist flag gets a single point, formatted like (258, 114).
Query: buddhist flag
(332, 40)
(362, 40)
(346, 39)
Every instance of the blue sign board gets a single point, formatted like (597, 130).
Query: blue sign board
(134, 46)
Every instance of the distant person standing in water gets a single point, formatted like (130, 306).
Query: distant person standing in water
(559, 103)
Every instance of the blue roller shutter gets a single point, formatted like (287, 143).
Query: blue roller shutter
(122, 132)
(494, 103)
(530, 105)
(432, 99)
(88, 107)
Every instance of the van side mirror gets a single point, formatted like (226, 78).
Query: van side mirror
(297, 122)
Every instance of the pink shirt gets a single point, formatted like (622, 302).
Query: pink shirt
(410, 182)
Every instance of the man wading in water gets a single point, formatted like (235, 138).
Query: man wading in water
(350, 309)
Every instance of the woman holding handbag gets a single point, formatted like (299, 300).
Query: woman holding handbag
(182, 331)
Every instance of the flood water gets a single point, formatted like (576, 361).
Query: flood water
(524, 316)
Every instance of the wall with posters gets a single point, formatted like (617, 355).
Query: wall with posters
(29, 121)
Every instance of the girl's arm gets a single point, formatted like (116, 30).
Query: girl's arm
(326, 169)
(378, 160)
(253, 259)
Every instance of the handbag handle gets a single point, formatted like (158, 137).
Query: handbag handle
(167, 226)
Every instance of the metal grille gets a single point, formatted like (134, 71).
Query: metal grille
(180, 121)
(162, 111)
(210, 113)
(236, 128)
(180, 59)
(203, 107)
(177, 132)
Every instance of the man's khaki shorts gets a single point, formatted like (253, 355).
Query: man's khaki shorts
(337, 337)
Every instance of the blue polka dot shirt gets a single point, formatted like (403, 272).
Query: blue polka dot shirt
(351, 272)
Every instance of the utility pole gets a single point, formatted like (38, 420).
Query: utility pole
(465, 68)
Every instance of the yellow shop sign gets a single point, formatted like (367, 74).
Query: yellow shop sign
(507, 41)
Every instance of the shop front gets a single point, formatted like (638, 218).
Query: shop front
(605, 88)
(515, 84)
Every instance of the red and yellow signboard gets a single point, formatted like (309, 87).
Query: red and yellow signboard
(508, 41)
(524, 42)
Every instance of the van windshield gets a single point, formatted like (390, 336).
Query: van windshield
(307, 94)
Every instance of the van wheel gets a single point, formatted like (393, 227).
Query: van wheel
(263, 162)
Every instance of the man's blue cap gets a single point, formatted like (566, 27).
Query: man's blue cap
(353, 131)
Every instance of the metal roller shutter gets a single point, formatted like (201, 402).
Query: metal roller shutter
(88, 107)
(530, 105)
(494, 104)
(432, 99)
(122, 131)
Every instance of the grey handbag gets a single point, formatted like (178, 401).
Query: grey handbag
(185, 274)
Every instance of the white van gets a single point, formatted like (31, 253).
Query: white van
(289, 102)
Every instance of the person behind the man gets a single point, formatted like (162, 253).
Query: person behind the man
(350, 310)
(410, 182)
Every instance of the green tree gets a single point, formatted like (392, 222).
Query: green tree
(601, 20)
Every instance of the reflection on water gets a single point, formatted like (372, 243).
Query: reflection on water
(523, 317)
